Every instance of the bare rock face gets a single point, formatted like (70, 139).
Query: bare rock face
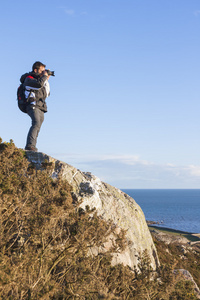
(111, 204)
(169, 238)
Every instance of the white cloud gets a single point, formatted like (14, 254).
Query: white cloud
(194, 170)
(72, 12)
(69, 12)
(127, 159)
(170, 165)
(130, 171)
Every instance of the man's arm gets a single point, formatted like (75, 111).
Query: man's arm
(34, 83)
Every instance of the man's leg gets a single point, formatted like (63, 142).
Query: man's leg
(37, 117)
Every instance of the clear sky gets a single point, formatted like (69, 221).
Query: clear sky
(125, 101)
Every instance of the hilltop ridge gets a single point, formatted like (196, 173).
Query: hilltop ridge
(67, 235)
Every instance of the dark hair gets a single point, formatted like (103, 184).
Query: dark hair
(37, 65)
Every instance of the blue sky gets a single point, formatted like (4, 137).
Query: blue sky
(125, 101)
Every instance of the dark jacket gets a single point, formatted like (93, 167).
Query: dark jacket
(35, 83)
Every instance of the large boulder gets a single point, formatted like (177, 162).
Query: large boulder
(111, 204)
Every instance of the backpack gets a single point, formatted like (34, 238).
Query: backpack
(21, 99)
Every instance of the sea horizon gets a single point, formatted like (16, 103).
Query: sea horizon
(176, 209)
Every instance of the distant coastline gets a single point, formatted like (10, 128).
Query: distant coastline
(175, 235)
(174, 209)
(157, 225)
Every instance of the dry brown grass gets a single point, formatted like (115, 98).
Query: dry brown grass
(45, 241)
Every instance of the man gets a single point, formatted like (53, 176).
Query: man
(37, 89)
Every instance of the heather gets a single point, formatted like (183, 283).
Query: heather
(46, 243)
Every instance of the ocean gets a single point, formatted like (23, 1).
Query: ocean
(173, 208)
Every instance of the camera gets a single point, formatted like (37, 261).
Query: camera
(51, 73)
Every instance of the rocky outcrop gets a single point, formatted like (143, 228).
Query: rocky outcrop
(111, 204)
(187, 276)
(168, 238)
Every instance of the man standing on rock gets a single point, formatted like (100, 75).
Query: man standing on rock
(37, 89)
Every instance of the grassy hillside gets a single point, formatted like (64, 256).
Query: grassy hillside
(45, 242)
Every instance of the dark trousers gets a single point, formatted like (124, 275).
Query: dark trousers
(37, 117)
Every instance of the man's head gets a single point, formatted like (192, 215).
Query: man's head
(38, 67)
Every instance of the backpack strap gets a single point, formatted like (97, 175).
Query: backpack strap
(29, 96)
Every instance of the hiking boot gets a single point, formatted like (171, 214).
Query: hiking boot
(31, 148)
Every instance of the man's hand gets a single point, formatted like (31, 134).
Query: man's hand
(46, 74)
